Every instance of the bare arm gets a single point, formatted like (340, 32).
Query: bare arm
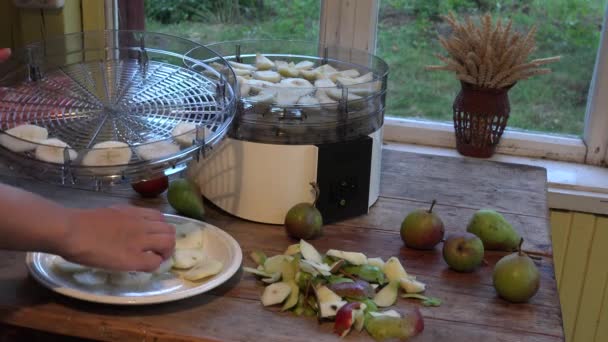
(125, 238)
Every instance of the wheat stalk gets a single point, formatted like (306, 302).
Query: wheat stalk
(487, 55)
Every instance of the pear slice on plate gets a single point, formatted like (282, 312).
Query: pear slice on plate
(187, 258)
(209, 267)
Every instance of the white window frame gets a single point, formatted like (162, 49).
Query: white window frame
(353, 23)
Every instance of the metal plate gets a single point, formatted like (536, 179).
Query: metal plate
(219, 245)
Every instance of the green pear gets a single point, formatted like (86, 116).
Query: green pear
(494, 230)
(186, 199)
(516, 278)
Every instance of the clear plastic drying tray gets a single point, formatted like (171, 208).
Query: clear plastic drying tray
(112, 106)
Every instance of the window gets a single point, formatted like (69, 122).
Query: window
(558, 116)
(225, 20)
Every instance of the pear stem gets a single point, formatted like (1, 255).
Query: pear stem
(317, 191)
(521, 242)
(432, 205)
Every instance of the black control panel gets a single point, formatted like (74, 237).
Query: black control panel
(343, 175)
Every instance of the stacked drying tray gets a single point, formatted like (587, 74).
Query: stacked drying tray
(103, 108)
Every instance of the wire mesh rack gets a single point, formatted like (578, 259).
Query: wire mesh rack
(110, 107)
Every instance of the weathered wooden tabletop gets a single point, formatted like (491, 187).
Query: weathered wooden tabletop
(470, 311)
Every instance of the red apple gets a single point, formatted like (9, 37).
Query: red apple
(346, 317)
(151, 188)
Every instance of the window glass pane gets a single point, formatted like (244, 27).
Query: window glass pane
(221, 20)
(555, 103)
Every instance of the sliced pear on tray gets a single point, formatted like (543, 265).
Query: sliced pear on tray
(156, 150)
(184, 133)
(52, 151)
(262, 62)
(267, 75)
(207, 268)
(108, 153)
(25, 133)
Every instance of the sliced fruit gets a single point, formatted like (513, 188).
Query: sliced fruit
(324, 83)
(258, 257)
(236, 65)
(265, 96)
(244, 88)
(292, 300)
(18, 138)
(289, 269)
(184, 133)
(187, 258)
(350, 73)
(108, 153)
(336, 266)
(321, 95)
(309, 74)
(296, 82)
(325, 69)
(393, 270)
(336, 94)
(304, 65)
(287, 97)
(156, 150)
(207, 268)
(262, 62)
(309, 252)
(382, 327)
(308, 101)
(354, 258)
(275, 293)
(378, 262)
(242, 72)
(329, 303)
(288, 71)
(131, 278)
(267, 75)
(68, 267)
(91, 277)
(54, 151)
(410, 285)
(347, 316)
(164, 267)
(387, 295)
(259, 85)
(188, 236)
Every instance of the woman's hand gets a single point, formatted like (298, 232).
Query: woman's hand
(119, 238)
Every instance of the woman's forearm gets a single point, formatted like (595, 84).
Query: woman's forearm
(31, 223)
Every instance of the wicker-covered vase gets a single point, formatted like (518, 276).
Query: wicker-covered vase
(480, 117)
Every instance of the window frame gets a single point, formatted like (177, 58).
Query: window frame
(342, 23)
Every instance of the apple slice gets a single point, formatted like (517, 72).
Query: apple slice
(382, 326)
(354, 258)
(347, 317)
(267, 75)
(388, 295)
(262, 62)
(378, 262)
(292, 300)
(207, 268)
(309, 252)
(188, 236)
(187, 258)
(275, 293)
(393, 270)
(329, 303)
(410, 285)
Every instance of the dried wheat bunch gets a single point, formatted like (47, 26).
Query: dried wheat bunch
(489, 56)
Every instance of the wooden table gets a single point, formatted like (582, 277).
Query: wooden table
(471, 310)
